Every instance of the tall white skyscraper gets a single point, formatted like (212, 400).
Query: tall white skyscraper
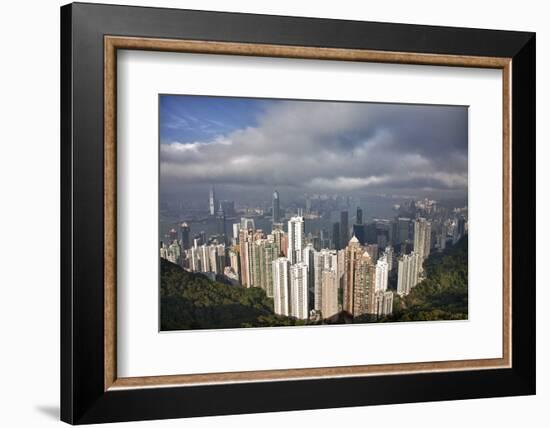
(407, 273)
(295, 239)
(299, 291)
(381, 279)
(281, 289)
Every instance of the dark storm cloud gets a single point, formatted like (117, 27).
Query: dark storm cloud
(322, 146)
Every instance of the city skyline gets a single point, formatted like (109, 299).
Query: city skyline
(316, 146)
(286, 212)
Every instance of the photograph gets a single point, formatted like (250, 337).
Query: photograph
(282, 212)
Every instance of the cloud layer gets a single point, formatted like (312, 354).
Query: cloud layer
(331, 147)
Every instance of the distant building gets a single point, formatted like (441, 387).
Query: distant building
(212, 201)
(247, 223)
(359, 231)
(403, 230)
(359, 216)
(276, 207)
(344, 226)
(336, 243)
(184, 234)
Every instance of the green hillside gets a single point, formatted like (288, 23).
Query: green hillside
(192, 301)
(443, 295)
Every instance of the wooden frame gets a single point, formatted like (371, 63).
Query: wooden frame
(113, 43)
(513, 53)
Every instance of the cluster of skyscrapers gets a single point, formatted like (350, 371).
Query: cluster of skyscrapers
(312, 277)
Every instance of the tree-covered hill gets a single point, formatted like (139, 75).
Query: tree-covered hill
(443, 295)
(192, 301)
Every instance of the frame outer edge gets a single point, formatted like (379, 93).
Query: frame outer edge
(66, 257)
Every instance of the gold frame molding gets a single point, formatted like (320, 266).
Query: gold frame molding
(113, 43)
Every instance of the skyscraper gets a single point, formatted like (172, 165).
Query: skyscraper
(422, 239)
(403, 230)
(246, 240)
(295, 239)
(212, 201)
(359, 231)
(329, 286)
(336, 243)
(359, 216)
(353, 253)
(364, 286)
(184, 232)
(344, 226)
(276, 207)
(281, 289)
(407, 273)
(323, 260)
(309, 259)
(381, 282)
(299, 305)
(383, 303)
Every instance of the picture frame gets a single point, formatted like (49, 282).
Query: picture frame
(91, 390)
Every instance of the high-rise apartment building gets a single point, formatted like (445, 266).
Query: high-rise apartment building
(407, 273)
(246, 241)
(281, 286)
(299, 304)
(329, 287)
(323, 260)
(295, 239)
(353, 252)
(384, 303)
(382, 270)
(422, 237)
(363, 286)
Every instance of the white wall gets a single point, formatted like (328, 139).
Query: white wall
(29, 165)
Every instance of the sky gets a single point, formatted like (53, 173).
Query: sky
(253, 146)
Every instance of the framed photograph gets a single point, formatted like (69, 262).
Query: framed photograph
(267, 213)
